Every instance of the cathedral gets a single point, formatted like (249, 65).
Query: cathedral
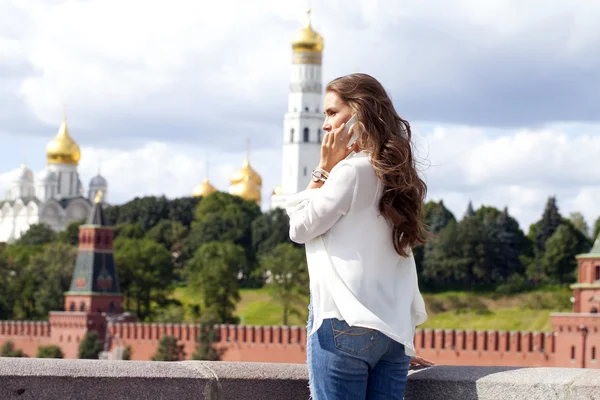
(56, 198)
(301, 127)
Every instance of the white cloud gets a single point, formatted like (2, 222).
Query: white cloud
(519, 170)
(158, 168)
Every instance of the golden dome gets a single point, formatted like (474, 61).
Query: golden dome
(246, 173)
(203, 189)
(63, 149)
(247, 189)
(278, 190)
(307, 39)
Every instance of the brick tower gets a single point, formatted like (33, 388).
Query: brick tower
(94, 293)
(578, 333)
(94, 286)
(587, 289)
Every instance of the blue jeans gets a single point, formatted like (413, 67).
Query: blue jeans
(348, 363)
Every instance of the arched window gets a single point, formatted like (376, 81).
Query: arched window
(72, 306)
(319, 135)
(111, 307)
(82, 306)
(292, 135)
(305, 108)
(306, 135)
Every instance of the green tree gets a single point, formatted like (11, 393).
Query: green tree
(546, 227)
(214, 272)
(51, 351)
(205, 348)
(596, 229)
(504, 244)
(286, 273)
(578, 221)
(14, 281)
(8, 350)
(558, 261)
(126, 353)
(71, 234)
(470, 211)
(182, 210)
(129, 230)
(145, 274)
(90, 347)
(47, 277)
(222, 217)
(269, 230)
(169, 350)
(171, 235)
(436, 217)
(37, 234)
(442, 261)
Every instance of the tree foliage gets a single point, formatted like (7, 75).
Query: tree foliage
(205, 348)
(9, 350)
(145, 272)
(37, 234)
(169, 350)
(90, 347)
(214, 272)
(50, 351)
(286, 273)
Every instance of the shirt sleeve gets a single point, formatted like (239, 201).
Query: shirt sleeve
(317, 213)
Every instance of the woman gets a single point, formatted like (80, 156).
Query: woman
(359, 218)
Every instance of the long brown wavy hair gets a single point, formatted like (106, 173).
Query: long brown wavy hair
(387, 139)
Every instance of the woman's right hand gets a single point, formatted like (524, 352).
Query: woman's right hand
(416, 360)
(334, 149)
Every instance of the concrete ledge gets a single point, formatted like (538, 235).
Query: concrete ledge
(30, 378)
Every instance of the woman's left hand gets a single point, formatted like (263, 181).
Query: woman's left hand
(334, 149)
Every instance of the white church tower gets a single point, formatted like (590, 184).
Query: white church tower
(304, 118)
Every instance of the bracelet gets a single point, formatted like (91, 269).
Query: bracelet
(323, 172)
(319, 175)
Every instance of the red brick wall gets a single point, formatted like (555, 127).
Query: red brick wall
(288, 344)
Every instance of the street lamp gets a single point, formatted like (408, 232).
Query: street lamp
(111, 318)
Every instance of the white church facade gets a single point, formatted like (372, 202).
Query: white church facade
(56, 198)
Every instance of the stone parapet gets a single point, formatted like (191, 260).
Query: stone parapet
(90, 379)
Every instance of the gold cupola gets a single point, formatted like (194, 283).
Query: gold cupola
(246, 173)
(63, 149)
(247, 190)
(204, 189)
(246, 183)
(307, 44)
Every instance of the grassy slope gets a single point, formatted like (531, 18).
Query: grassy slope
(448, 310)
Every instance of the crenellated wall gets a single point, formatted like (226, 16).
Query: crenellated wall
(26, 335)
(486, 348)
(565, 347)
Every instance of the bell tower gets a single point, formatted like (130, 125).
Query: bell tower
(304, 118)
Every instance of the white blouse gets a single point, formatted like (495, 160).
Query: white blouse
(355, 273)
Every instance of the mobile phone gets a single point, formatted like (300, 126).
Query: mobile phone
(349, 124)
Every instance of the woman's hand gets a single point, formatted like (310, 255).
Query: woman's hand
(416, 360)
(334, 149)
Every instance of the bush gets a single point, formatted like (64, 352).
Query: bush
(8, 350)
(169, 350)
(90, 347)
(126, 353)
(205, 349)
(50, 351)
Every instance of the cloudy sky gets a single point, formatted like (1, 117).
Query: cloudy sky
(503, 95)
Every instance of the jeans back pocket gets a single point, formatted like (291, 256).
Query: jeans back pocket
(354, 340)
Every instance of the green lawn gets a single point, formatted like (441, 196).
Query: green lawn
(447, 310)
